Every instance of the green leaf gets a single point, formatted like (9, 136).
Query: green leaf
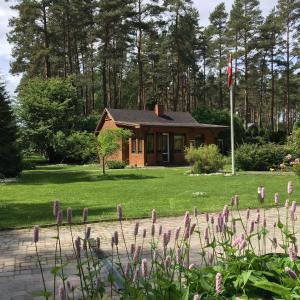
(274, 288)
(246, 276)
(186, 294)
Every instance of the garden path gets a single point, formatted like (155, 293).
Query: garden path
(20, 276)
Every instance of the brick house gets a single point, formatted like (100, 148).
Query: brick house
(159, 137)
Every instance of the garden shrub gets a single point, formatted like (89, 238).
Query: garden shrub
(78, 147)
(205, 159)
(115, 164)
(253, 157)
(234, 259)
(221, 117)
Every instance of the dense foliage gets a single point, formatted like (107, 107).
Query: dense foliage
(49, 111)
(10, 155)
(254, 157)
(128, 53)
(221, 117)
(205, 159)
(78, 147)
(241, 255)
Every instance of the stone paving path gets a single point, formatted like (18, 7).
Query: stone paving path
(19, 273)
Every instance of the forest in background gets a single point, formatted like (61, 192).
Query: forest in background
(132, 53)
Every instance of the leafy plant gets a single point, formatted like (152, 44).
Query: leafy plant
(115, 164)
(253, 157)
(109, 142)
(205, 159)
(234, 259)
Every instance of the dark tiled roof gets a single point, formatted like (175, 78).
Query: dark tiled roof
(149, 118)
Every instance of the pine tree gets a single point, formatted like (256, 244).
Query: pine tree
(10, 157)
(218, 21)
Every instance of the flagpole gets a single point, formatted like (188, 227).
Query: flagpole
(232, 131)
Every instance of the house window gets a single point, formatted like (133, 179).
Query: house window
(199, 140)
(140, 144)
(158, 142)
(133, 144)
(178, 142)
(150, 143)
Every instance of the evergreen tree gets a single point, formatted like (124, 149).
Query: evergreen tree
(10, 157)
(218, 24)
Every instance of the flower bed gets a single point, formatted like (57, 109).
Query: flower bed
(234, 259)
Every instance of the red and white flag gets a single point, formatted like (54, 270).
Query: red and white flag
(229, 72)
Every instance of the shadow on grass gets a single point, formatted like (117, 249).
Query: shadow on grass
(75, 177)
(14, 215)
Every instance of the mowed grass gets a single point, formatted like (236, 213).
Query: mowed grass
(168, 190)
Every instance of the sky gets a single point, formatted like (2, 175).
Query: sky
(205, 7)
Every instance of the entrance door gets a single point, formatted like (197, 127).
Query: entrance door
(165, 148)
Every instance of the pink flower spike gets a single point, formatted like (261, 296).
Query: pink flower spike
(218, 283)
(291, 273)
(286, 205)
(36, 234)
(290, 188)
(136, 229)
(144, 267)
(276, 198)
(154, 216)
(119, 212)
(85, 214)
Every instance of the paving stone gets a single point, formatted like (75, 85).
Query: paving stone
(19, 271)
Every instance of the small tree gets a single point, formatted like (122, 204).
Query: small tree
(10, 158)
(109, 142)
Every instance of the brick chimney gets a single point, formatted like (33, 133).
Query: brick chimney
(159, 109)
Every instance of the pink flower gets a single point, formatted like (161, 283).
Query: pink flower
(136, 276)
(197, 297)
(192, 228)
(178, 256)
(290, 188)
(98, 243)
(160, 230)
(154, 216)
(186, 218)
(206, 233)
(136, 229)
(85, 214)
(88, 233)
(177, 231)
(276, 198)
(195, 212)
(119, 212)
(144, 267)
(144, 233)
(132, 249)
(56, 207)
(59, 217)
(36, 234)
(212, 220)
(168, 261)
(165, 240)
(218, 283)
(286, 205)
(127, 270)
(69, 215)
(248, 214)
(116, 238)
(153, 230)
(207, 217)
(292, 253)
(62, 293)
(242, 245)
(232, 201)
(191, 266)
(291, 273)
(236, 200)
(136, 255)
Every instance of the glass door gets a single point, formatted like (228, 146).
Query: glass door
(165, 148)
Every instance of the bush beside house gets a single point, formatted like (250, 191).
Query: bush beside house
(205, 159)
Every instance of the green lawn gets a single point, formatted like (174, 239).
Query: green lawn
(168, 190)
